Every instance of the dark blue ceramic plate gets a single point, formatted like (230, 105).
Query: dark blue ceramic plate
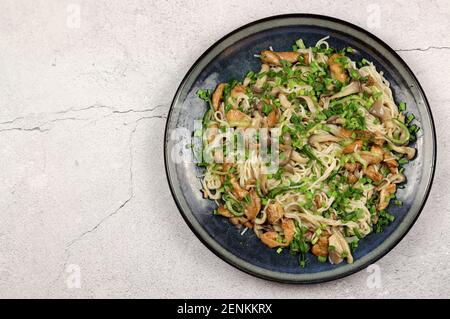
(231, 58)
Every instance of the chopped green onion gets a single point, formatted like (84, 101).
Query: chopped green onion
(322, 259)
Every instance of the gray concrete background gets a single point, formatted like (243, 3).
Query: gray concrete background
(83, 102)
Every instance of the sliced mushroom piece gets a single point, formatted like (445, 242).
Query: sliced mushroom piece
(309, 102)
(288, 168)
(297, 158)
(316, 139)
(287, 152)
(380, 111)
(335, 119)
(284, 101)
(287, 138)
(257, 88)
(397, 178)
(352, 88)
(409, 151)
(263, 183)
(339, 248)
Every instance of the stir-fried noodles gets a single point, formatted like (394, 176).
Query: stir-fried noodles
(342, 144)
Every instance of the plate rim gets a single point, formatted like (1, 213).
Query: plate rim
(301, 279)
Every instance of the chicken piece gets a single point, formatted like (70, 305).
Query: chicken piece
(376, 150)
(288, 227)
(337, 70)
(275, 58)
(218, 95)
(353, 147)
(351, 178)
(321, 247)
(391, 163)
(274, 213)
(378, 139)
(375, 155)
(272, 118)
(252, 209)
(318, 201)
(345, 133)
(373, 174)
(385, 196)
(235, 221)
(237, 118)
(237, 90)
(248, 224)
(351, 167)
(270, 239)
(238, 191)
(221, 210)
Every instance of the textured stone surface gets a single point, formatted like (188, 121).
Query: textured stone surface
(82, 184)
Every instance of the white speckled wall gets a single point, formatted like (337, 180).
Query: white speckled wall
(85, 87)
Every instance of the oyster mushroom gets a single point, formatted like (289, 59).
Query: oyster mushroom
(352, 88)
(287, 151)
(316, 139)
(284, 101)
(380, 111)
(408, 151)
(257, 88)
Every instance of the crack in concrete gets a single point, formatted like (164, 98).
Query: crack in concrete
(425, 49)
(40, 128)
(36, 128)
(131, 195)
(117, 210)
